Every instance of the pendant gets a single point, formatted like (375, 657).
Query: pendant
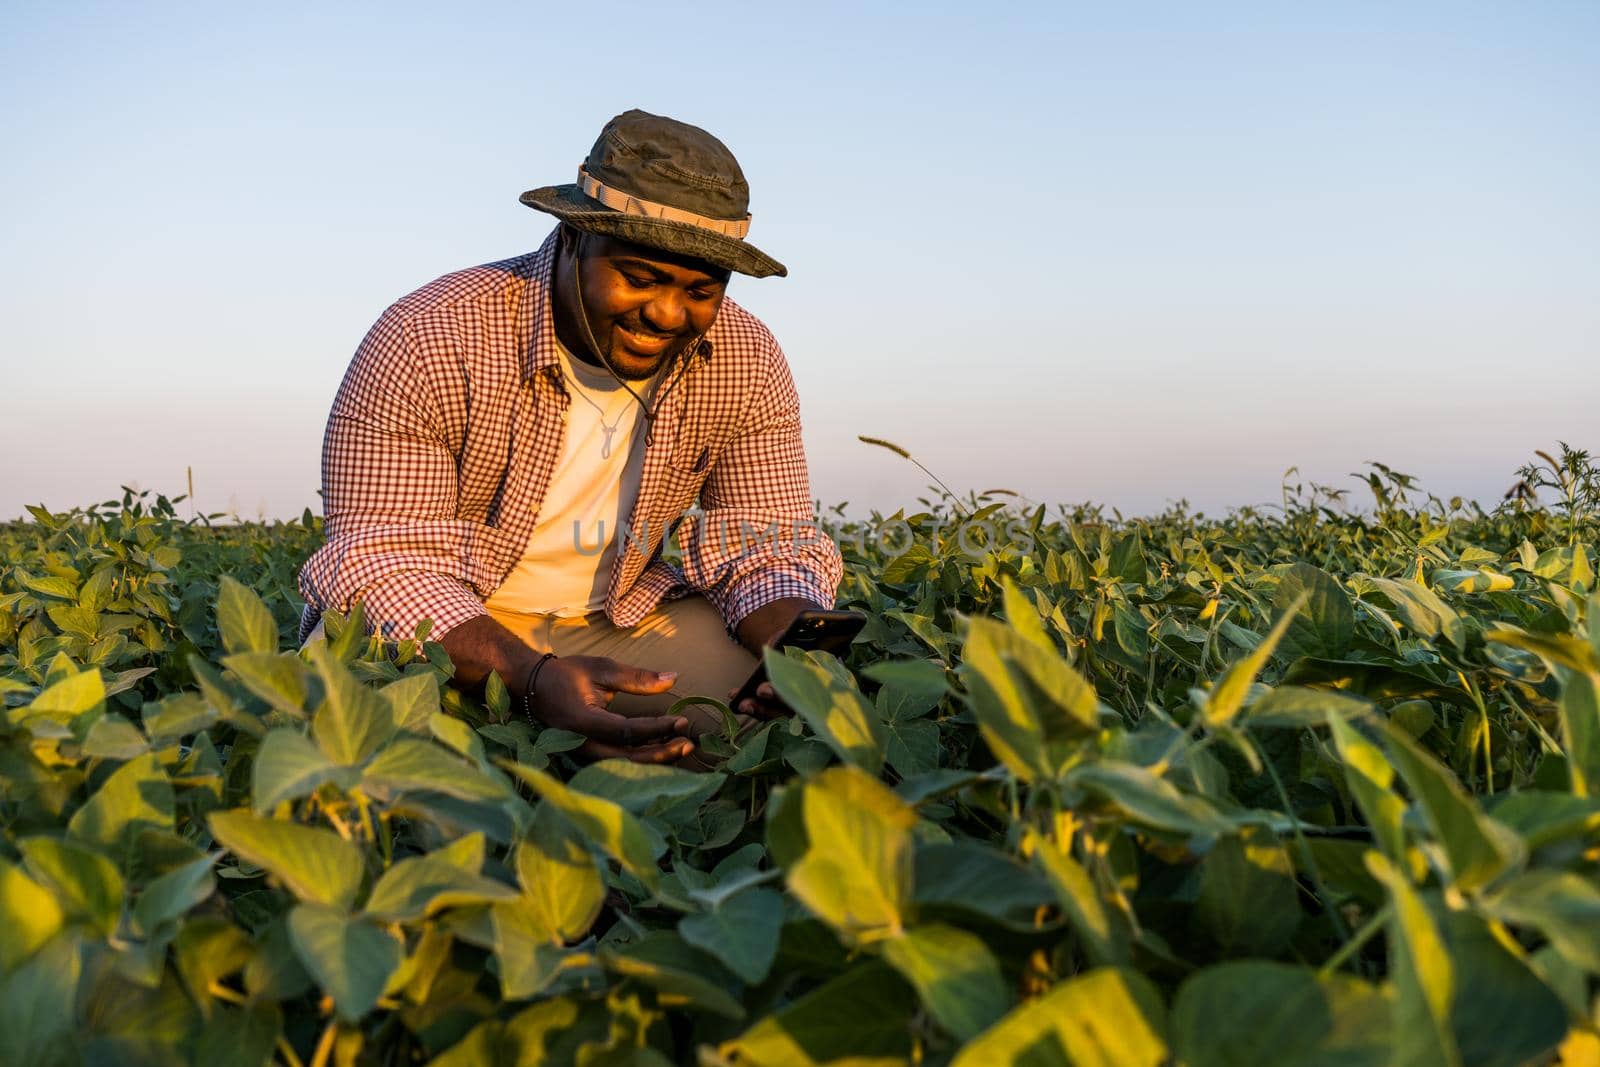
(605, 447)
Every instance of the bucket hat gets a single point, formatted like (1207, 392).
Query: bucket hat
(664, 184)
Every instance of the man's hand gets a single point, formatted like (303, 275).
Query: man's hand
(572, 693)
(760, 630)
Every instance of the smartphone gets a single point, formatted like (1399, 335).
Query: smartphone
(812, 630)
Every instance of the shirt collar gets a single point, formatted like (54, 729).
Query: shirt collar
(544, 350)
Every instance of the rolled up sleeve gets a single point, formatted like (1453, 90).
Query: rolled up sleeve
(757, 539)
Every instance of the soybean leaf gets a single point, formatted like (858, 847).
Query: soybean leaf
(136, 798)
(1227, 697)
(287, 767)
(954, 973)
(1101, 928)
(316, 865)
(86, 882)
(1325, 625)
(861, 1015)
(243, 620)
(29, 916)
(559, 877)
(1259, 1012)
(609, 825)
(1423, 974)
(1476, 848)
(353, 721)
(351, 959)
(665, 962)
(421, 886)
(741, 931)
(1033, 709)
(1107, 1017)
(855, 874)
(837, 713)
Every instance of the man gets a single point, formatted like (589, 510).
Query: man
(513, 443)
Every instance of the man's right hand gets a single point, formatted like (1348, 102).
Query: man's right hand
(573, 693)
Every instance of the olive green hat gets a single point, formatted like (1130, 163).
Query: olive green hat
(664, 184)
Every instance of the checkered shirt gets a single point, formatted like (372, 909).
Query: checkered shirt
(450, 420)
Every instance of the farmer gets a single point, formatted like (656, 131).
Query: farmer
(513, 443)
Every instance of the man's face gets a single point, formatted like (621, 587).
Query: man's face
(645, 306)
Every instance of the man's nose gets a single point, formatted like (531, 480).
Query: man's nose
(666, 314)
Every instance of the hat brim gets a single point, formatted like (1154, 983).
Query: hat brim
(569, 204)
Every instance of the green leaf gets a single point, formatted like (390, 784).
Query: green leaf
(243, 620)
(287, 767)
(422, 886)
(678, 972)
(528, 955)
(1101, 928)
(560, 879)
(1423, 974)
(413, 700)
(837, 713)
(955, 974)
(1146, 799)
(37, 1025)
(1422, 610)
(971, 883)
(316, 865)
(1254, 1012)
(1293, 705)
(1033, 709)
(860, 1017)
(855, 874)
(1580, 728)
(1561, 905)
(645, 788)
(353, 721)
(244, 1036)
(1476, 848)
(607, 824)
(29, 916)
(1107, 1017)
(742, 932)
(65, 699)
(913, 746)
(1326, 624)
(1503, 1014)
(113, 737)
(410, 764)
(279, 679)
(1227, 697)
(1370, 776)
(910, 687)
(1248, 900)
(84, 880)
(170, 896)
(351, 959)
(136, 798)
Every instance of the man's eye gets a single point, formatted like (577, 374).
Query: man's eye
(636, 282)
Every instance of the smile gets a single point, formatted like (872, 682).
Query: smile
(649, 344)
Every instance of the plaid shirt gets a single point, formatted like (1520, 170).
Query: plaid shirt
(450, 420)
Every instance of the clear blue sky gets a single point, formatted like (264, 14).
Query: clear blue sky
(1127, 252)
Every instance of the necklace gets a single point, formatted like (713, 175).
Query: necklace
(605, 446)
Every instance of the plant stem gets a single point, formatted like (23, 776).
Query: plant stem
(1352, 946)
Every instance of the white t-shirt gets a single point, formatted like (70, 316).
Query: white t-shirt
(566, 566)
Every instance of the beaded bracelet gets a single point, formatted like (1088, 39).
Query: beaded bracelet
(526, 698)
